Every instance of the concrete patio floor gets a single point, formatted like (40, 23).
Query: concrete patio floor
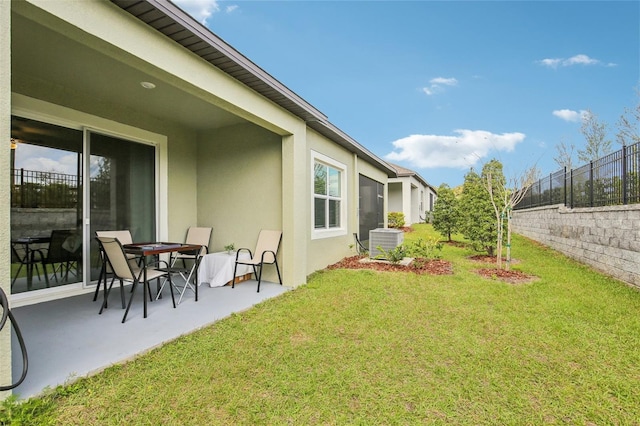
(66, 339)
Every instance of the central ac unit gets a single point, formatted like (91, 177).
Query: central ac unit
(387, 239)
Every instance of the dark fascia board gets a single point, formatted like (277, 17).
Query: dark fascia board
(338, 136)
(176, 24)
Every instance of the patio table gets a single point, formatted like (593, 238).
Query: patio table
(152, 249)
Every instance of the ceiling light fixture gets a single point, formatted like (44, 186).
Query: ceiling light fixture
(147, 85)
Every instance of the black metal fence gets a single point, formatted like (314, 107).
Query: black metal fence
(611, 180)
(37, 189)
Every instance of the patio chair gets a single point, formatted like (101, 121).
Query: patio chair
(124, 236)
(265, 254)
(123, 270)
(64, 253)
(196, 236)
(360, 248)
(29, 258)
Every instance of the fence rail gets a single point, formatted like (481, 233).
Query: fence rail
(608, 181)
(37, 189)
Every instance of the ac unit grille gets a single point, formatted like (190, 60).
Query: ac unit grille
(387, 239)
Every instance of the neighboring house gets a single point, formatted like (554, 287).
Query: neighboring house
(411, 194)
(161, 125)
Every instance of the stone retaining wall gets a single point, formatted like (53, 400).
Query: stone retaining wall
(40, 222)
(607, 238)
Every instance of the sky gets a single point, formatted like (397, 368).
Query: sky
(441, 87)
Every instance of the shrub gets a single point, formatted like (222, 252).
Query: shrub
(395, 219)
(394, 255)
(427, 249)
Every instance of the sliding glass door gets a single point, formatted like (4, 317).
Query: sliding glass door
(54, 194)
(122, 190)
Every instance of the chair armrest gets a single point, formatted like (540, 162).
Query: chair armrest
(246, 249)
(268, 251)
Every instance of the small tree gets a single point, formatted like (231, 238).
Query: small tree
(629, 125)
(565, 155)
(595, 134)
(477, 220)
(504, 197)
(446, 217)
(494, 181)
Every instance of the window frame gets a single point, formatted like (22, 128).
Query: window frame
(326, 232)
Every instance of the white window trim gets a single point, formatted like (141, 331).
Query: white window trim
(333, 232)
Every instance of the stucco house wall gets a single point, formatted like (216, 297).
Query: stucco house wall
(5, 223)
(410, 194)
(249, 160)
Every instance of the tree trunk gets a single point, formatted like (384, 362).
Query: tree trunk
(508, 262)
(499, 242)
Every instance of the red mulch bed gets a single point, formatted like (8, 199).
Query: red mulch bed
(510, 276)
(435, 267)
(419, 266)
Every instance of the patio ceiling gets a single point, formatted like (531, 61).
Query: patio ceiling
(42, 56)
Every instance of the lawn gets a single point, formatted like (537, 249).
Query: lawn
(365, 347)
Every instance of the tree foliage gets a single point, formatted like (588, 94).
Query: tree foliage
(446, 216)
(595, 134)
(629, 125)
(564, 158)
(477, 217)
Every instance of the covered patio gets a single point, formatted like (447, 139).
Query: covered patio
(66, 338)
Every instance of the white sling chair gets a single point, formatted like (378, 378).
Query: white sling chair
(264, 254)
(123, 270)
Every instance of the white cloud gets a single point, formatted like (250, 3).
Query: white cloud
(580, 59)
(459, 152)
(201, 10)
(231, 8)
(34, 157)
(551, 63)
(436, 85)
(570, 115)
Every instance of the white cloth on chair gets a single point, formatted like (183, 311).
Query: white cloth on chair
(217, 268)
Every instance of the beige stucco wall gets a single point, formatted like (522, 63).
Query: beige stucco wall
(239, 172)
(324, 251)
(5, 231)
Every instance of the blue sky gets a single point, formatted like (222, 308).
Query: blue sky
(439, 87)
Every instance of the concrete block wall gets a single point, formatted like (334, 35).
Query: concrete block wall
(607, 238)
(40, 222)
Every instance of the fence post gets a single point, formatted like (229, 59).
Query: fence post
(21, 187)
(564, 186)
(571, 186)
(625, 196)
(591, 183)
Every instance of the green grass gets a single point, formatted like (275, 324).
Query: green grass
(365, 348)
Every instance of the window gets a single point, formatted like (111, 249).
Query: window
(328, 197)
